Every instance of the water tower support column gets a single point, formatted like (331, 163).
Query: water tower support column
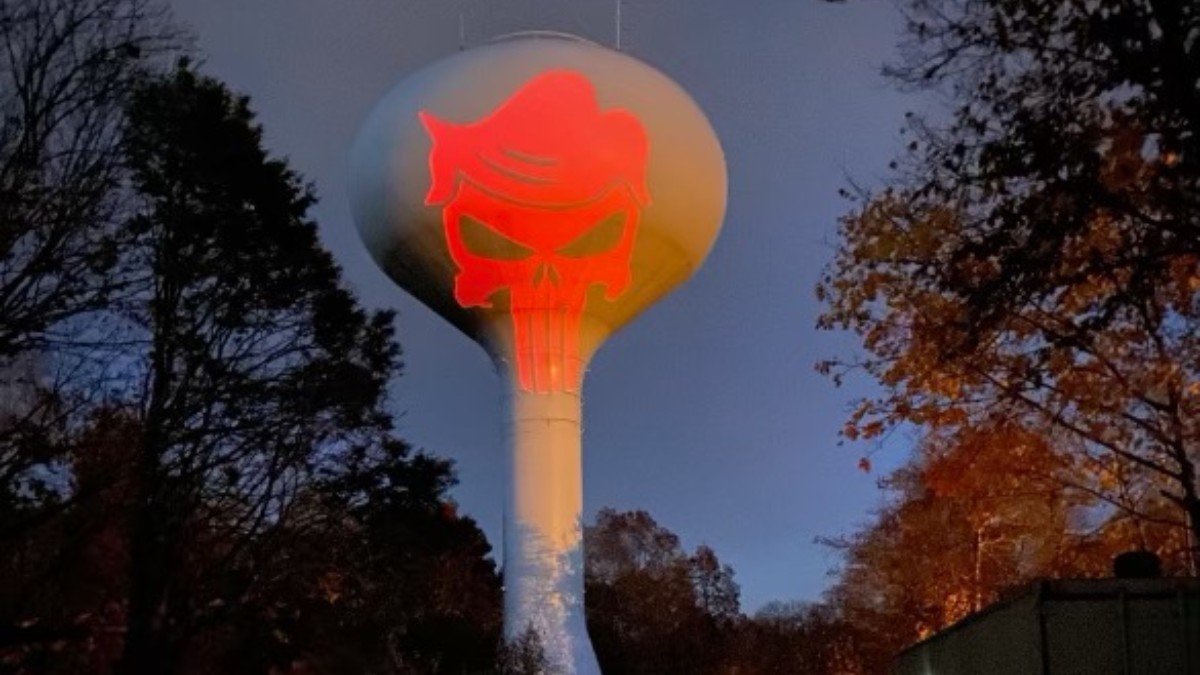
(543, 537)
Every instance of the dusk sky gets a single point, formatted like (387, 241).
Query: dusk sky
(706, 411)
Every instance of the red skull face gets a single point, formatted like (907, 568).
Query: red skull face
(541, 201)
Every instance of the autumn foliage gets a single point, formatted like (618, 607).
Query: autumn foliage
(1024, 288)
(1032, 264)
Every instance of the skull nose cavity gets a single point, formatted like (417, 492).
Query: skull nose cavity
(546, 271)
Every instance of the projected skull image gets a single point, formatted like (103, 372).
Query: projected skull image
(540, 203)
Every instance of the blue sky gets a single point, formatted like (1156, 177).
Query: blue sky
(706, 411)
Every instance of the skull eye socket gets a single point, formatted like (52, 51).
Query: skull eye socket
(481, 240)
(601, 238)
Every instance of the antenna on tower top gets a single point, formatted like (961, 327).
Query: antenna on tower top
(618, 3)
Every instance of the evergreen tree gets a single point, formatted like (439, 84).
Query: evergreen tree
(254, 361)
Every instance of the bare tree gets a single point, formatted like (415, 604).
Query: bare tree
(66, 70)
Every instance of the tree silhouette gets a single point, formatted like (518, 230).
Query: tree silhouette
(651, 608)
(254, 360)
(67, 72)
(69, 67)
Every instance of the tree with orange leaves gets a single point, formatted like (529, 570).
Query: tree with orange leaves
(1034, 260)
(975, 517)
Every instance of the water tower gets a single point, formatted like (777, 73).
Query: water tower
(539, 192)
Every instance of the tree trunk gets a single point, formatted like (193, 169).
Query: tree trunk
(146, 647)
(1190, 502)
(1193, 511)
(152, 535)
